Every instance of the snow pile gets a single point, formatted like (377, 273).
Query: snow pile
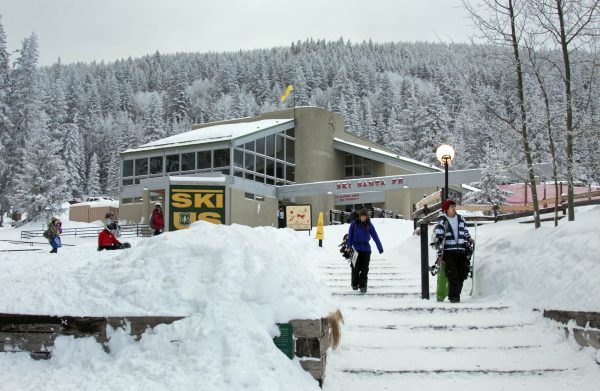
(549, 268)
(232, 282)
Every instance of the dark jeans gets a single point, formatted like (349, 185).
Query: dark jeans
(457, 272)
(361, 270)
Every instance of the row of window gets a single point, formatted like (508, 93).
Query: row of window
(268, 160)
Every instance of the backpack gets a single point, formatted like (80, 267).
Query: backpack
(46, 234)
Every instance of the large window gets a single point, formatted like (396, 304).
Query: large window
(269, 159)
(357, 166)
(172, 163)
(141, 167)
(204, 160)
(188, 161)
(156, 165)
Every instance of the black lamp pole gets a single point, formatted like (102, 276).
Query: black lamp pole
(445, 179)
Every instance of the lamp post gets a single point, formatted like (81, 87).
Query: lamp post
(445, 154)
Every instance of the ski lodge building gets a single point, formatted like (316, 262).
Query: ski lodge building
(240, 171)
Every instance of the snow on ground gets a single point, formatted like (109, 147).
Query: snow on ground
(234, 283)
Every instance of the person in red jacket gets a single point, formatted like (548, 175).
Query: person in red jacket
(157, 221)
(107, 239)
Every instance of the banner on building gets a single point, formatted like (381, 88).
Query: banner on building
(190, 203)
(297, 217)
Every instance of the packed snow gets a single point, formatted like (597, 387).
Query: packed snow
(234, 283)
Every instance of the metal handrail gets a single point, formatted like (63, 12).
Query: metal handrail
(92, 232)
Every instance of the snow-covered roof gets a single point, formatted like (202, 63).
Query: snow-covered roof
(211, 134)
(385, 156)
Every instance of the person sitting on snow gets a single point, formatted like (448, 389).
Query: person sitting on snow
(107, 239)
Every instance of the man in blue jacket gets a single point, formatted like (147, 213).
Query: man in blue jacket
(360, 233)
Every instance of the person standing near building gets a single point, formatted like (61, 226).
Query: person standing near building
(280, 218)
(53, 234)
(360, 233)
(157, 221)
(451, 230)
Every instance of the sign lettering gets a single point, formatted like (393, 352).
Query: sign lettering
(192, 203)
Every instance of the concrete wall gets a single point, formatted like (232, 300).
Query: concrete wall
(250, 212)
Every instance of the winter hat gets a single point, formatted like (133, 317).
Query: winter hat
(363, 212)
(446, 204)
(158, 204)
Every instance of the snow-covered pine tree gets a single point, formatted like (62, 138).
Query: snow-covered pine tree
(491, 176)
(41, 185)
(5, 122)
(92, 186)
(154, 124)
(72, 155)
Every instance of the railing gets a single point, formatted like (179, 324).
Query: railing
(92, 232)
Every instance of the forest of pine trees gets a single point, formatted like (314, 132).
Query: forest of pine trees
(63, 126)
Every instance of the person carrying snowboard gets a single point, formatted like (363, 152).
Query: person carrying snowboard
(360, 233)
(451, 230)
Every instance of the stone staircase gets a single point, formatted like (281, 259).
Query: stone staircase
(394, 340)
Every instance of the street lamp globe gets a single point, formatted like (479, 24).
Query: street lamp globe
(445, 153)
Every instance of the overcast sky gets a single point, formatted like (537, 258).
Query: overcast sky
(88, 30)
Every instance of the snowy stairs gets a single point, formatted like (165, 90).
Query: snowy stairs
(392, 339)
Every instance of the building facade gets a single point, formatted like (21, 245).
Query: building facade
(240, 171)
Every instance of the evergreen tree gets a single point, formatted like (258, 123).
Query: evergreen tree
(41, 185)
(5, 122)
(72, 156)
(154, 124)
(92, 186)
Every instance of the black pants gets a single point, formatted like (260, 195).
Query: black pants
(457, 272)
(361, 270)
(157, 232)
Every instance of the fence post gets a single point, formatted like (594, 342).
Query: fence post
(424, 261)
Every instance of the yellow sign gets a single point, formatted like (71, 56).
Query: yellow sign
(319, 234)
(192, 203)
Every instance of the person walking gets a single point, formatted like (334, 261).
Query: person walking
(451, 230)
(360, 233)
(54, 231)
(157, 221)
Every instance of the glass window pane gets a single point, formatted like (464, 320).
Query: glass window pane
(249, 175)
(238, 173)
(127, 168)
(238, 158)
(269, 181)
(348, 171)
(141, 167)
(291, 132)
(221, 157)
(127, 182)
(249, 146)
(156, 165)
(279, 170)
(290, 155)
(348, 159)
(188, 161)
(358, 170)
(279, 147)
(270, 167)
(259, 178)
(260, 164)
(249, 161)
(367, 168)
(270, 150)
(204, 159)
(290, 173)
(172, 163)
(260, 146)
